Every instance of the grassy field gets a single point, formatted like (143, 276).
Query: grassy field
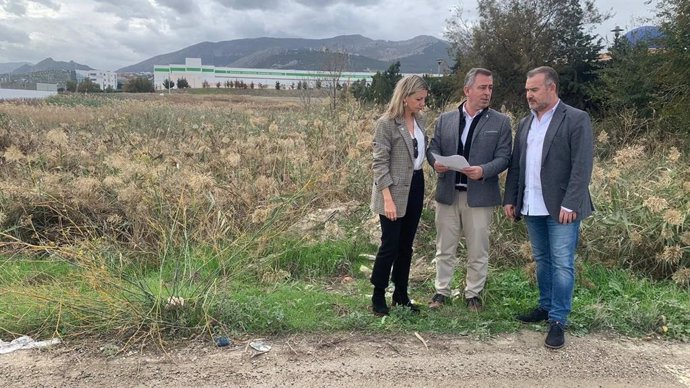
(149, 217)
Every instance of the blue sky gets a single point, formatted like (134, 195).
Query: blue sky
(109, 34)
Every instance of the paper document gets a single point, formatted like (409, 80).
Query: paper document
(453, 162)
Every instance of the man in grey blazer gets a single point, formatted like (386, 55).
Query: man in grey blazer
(548, 185)
(465, 199)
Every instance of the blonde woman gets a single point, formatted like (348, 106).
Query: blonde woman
(398, 189)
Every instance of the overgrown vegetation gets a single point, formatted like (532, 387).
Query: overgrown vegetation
(152, 216)
(186, 215)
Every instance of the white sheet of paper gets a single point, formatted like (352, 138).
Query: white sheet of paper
(453, 162)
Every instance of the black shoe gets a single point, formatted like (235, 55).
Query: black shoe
(404, 301)
(536, 315)
(378, 303)
(474, 304)
(413, 307)
(556, 337)
(439, 300)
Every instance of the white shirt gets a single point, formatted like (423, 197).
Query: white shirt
(421, 147)
(466, 130)
(533, 201)
(468, 123)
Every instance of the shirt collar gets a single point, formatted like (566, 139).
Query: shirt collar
(547, 114)
(464, 111)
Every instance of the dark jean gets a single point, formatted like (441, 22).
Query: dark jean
(396, 240)
(553, 248)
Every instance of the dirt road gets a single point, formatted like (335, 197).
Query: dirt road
(358, 360)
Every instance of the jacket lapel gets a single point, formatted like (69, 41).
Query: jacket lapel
(455, 130)
(480, 124)
(526, 124)
(556, 120)
(400, 122)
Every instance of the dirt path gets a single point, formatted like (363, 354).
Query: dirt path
(357, 360)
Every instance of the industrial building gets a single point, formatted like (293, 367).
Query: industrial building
(102, 78)
(196, 74)
(22, 94)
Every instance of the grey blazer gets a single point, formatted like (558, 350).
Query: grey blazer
(393, 163)
(566, 163)
(491, 143)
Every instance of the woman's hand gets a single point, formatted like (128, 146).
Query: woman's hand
(388, 205)
(389, 209)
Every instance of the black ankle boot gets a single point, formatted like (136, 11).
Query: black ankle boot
(401, 298)
(378, 302)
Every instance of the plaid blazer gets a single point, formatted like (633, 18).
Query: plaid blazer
(393, 162)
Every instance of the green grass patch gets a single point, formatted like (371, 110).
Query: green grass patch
(317, 260)
(324, 292)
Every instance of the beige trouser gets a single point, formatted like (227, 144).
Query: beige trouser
(455, 220)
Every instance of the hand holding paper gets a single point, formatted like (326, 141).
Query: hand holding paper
(453, 162)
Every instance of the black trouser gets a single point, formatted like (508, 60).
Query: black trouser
(397, 238)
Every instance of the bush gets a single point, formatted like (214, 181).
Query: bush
(642, 197)
(139, 85)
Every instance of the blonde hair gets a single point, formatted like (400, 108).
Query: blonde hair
(406, 87)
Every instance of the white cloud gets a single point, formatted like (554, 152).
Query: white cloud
(109, 34)
(12, 35)
(51, 4)
(14, 7)
(183, 7)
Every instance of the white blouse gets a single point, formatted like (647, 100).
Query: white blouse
(421, 147)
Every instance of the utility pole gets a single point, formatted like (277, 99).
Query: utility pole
(616, 34)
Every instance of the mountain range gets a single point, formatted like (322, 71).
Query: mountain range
(417, 55)
(47, 64)
(9, 67)
(420, 54)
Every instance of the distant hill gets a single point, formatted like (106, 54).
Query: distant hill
(416, 55)
(49, 64)
(648, 34)
(8, 67)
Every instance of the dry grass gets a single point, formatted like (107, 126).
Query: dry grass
(140, 174)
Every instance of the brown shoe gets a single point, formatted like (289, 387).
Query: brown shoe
(474, 304)
(438, 300)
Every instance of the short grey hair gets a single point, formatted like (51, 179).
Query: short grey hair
(472, 75)
(550, 75)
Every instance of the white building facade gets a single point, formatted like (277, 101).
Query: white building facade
(196, 74)
(104, 79)
(21, 94)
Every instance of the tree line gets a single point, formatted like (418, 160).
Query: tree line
(513, 36)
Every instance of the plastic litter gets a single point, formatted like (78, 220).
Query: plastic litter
(260, 346)
(25, 342)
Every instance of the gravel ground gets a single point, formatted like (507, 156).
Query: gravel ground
(360, 360)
